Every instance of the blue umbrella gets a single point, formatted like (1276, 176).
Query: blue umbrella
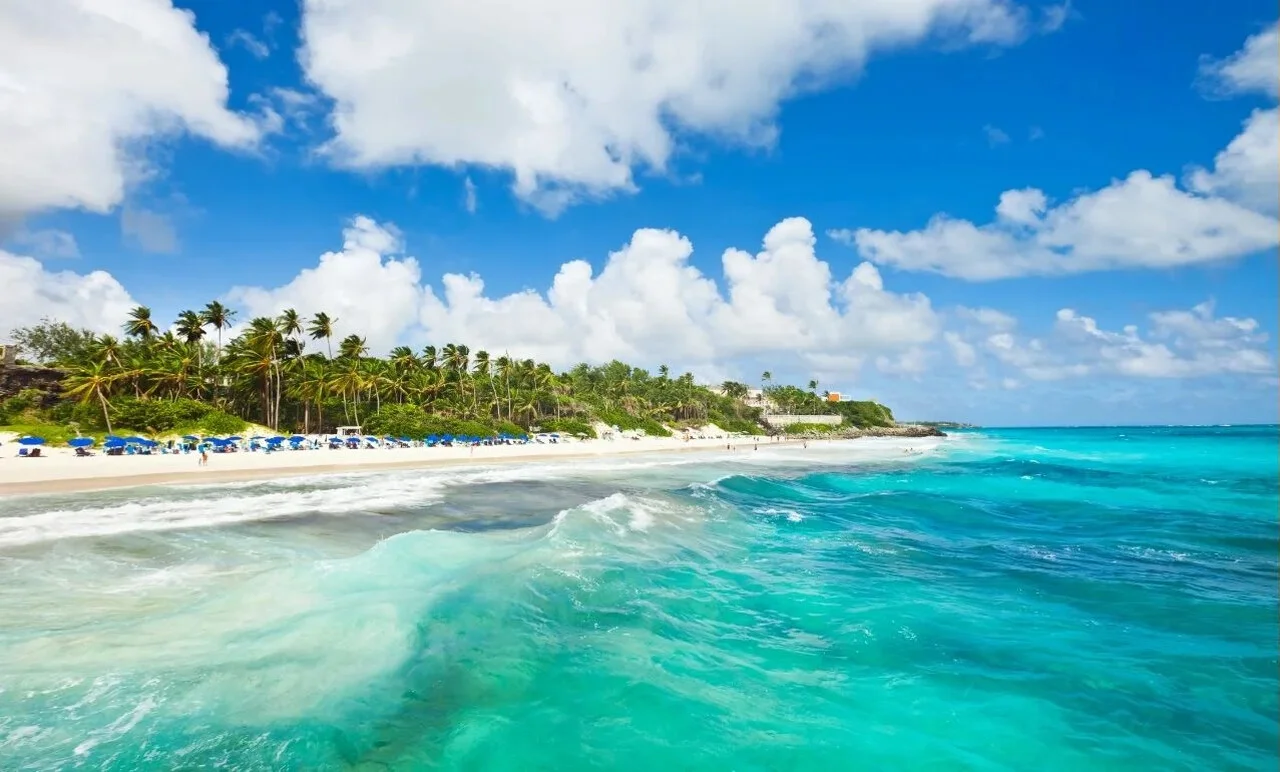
(234, 439)
(31, 441)
(80, 442)
(114, 442)
(191, 437)
(297, 438)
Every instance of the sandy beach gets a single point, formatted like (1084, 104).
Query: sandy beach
(59, 470)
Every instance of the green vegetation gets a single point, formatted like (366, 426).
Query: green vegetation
(189, 379)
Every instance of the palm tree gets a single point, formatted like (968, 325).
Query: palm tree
(290, 322)
(352, 347)
(107, 350)
(90, 381)
(813, 386)
(219, 317)
(140, 324)
(322, 327)
(190, 327)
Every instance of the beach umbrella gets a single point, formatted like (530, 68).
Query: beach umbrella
(234, 439)
(80, 442)
(114, 442)
(297, 438)
(31, 441)
(191, 437)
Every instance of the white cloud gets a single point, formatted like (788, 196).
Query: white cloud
(1247, 171)
(647, 305)
(82, 85)
(1142, 221)
(572, 96)
(1139, 222)
(1177, 344)
(961, 350)
(93, 300)
(48, 242)
(152, 231)
(246, 40)
(995, 136)
(469, 201)
(1255, 67)
(365, 287)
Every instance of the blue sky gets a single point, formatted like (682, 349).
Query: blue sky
(391, 111)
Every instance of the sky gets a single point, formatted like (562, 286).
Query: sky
(993, 211)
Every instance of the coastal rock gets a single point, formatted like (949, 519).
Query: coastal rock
(15, 378)
(852, 432)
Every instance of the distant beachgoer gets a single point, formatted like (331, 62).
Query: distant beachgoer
(204, 457)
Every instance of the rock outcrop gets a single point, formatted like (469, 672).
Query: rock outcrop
(849, 433)
(15, 378)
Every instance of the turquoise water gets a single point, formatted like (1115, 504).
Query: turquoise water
(1026, 599)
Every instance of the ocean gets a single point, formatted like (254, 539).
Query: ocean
(1048, 599)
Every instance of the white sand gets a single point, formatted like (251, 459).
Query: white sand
(60, 470)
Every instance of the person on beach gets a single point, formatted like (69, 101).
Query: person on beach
(204, 456)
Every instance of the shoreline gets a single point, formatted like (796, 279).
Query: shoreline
(65, 475)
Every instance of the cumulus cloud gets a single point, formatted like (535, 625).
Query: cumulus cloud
(1247, 170)
(1254, 68)
(366, 286)
(1177, 344)
(83, 85)
(93, 300)
(1141, 221)
(572, 96)
(1138, 222)
(648, 304)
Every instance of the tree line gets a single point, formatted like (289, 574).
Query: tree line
(267, 374)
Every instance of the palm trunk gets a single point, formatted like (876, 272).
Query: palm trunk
(106, 415)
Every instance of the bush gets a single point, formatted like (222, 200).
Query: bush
(864, 413)
(22, 402)
(157, 415)
(571, 426)
(627, 422)
(741, 425)
(506, 427)
(413, 421)
(397, 421)
(218, 422)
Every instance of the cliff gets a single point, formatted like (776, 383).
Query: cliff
(15, 378)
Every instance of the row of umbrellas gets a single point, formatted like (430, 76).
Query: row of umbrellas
(112, 441)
